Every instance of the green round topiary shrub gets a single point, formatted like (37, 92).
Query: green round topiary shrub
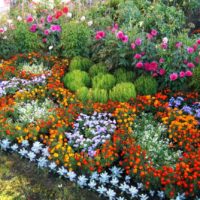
(123, 75)
(122, 92)
(83, 94)
(195, 82)
(103, 81)
(98, 95)
(80, 63)
(76, 79)
(146, 85)
(97, 69)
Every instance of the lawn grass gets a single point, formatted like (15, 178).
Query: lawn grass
(22, 180)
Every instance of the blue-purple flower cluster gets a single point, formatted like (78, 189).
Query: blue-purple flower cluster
(91, 131)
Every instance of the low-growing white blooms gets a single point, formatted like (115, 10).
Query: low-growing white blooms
(71, 175)
(143, 197)
(124, 187)
(140, 186)
(62, 171)
(50, 47)
(90, 23)
(116, 171)
(14, 147)
(42, 162)
(52, 166)
(152, 192)
(25, 143)
(45, 152)
(5, 144)
(69, 15)
(92, 184)
(83, 18)
(94, 176)
(165, 40)
(101, 189)
(82, 181)
(23, 152)
(19, 18)
(161, 194)
(127, 178)
(114, 181)
(111, 194)
(37, 146)
(180, 196)
(31, 156)
(133, 191)
(104, 178)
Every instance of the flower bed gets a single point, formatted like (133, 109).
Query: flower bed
(146, 148)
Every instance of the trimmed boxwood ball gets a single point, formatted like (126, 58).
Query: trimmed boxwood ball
(195, 82)
(80, 63)
(146, 85)
(103, 81)
(122, 92)
(97, 69)
(98, 95)
(76, 79)
(83, 94)
(123, 75)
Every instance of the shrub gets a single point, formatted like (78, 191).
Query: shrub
(80, 63)
(75, 39)
(122, 75)
(83, 94)
(123, 92)
(103, 81)
(146, 85)
(98, 95)
(195, 82)
(97, 69)
(76, 79)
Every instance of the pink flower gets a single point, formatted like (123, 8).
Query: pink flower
(133, 45)
(164, 45)
(44, 40)
(190, 50)
(49, 18)
(55, 28)
(137, 56)
(2, 30)
(154, 32)
(46, 32)
(149, 36)
(120, 35)
(42, 20)
(139, 65)
(173, 76)
(161, 60)
(178, 44)
(190, 65)
(138, 41)
(165, 40)
(29, 19)
(182, 74)
(162, 72)
(125, 39)
(188, 73)
(195, 46)
(147, 66)
(198, 41)
(99, 35)
(33, 28)
(154, 66)
(154, 74)
(197, 60)
(185, 62)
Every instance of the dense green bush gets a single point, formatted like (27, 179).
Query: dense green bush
(146, 85)
(103, 81)
(76, 79)
(83, 94)
(97, 69)
(98, 95)
(195, 82)
(80, 63)
(123, 75)
(75, 39)
(123, 92)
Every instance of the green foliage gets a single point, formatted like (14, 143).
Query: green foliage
(76, 79)
(195, 82)
(103, 81)
(97, 69)
(80, 63)
(123, 75)
(146, 85)
(98, 95)
(24, 40)
(123, 92)
(83, 94)
(75, 39)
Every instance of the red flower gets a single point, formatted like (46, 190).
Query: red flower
(58, 14)
(65, 10)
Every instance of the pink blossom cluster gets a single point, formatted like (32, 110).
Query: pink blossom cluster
(152, 34)
(121, 36)
(174, 76)
(100, 35)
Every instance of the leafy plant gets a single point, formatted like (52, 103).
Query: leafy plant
(83, 94)
(122, 92)
(146, 85)
(123, 75)
(97, 69)
(103, 81)
(80, 63)
(195, 82)
(76, 79)
(98, 95)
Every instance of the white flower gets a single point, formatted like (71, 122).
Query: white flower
(152, 192)
(104, 177)
(23, 152)
(120, 198)
(69, 15)
(114, 181)
(37, 146)
(60, 186)
(42, 162)
(127, 178)
(123, 187)
(143, 197)
(140, 185)
(161, 194)
(83, 18)
(116, 171)
(52, 165)
(5, 144)
(62, 171)
(19, 18)
(133, 191)
(31, 156)
(165, 40)
(45, 152)
(50, 47)
(111, 194)
(90, 23)
(5, 37)
(94, 176)
(180, 196)
(92, 184)
(25, 143)
(101, 190)
(71, 175)
(14, 147)
(9, 21)
(82, 181)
